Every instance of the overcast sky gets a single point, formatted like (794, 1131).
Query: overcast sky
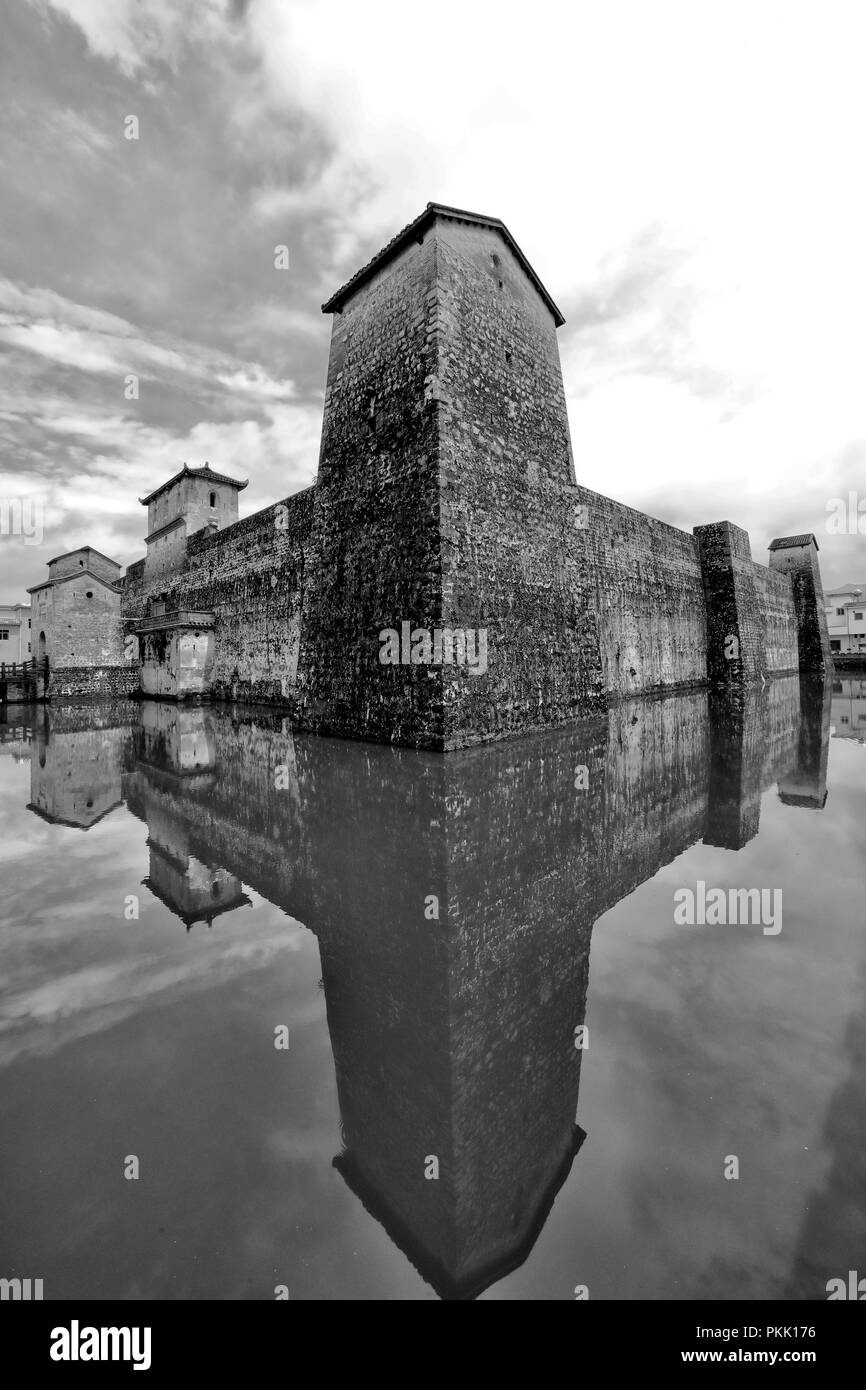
(686, 178)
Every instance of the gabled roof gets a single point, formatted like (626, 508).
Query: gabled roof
(206, 473)
(113, 585)
(79, 550)
(414, 230)
(789, 542)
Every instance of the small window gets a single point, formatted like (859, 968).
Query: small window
(81, 564)
(495, 259)
(213, 499)
(89, 593)
(4, 634)
(840, 612)
(507, 355)
(858, 617)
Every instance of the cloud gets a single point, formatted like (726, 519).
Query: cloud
(694, 215)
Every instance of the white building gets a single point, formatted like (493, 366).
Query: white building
(846, 619)
(14, 633)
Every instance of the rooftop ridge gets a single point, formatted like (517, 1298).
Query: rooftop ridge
(204, 472)
(415, 228)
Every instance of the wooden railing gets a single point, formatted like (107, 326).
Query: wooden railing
(20, 670)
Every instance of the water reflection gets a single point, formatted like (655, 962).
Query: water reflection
(848, 711)
(453, 900)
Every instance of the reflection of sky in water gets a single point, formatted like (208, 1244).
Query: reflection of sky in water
(121, 1037)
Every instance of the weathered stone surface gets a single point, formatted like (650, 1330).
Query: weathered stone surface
(446, 502)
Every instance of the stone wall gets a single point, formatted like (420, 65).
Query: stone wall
(504, 463)
(96, 682)
(446, 500)
(375, 549)
(251, 576)
(647, 591)
(778, 616)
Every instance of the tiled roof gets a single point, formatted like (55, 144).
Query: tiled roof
(82, 548)
(414, 230)
(205, 472)
(788, 542)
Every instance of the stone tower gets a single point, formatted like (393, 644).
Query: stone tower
(797, 556)
(445, 501)
(193, 500)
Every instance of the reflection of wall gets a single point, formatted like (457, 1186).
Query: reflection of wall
(805, 784)
(180, 741)
(454, 1036)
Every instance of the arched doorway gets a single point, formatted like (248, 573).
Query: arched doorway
(40, 648)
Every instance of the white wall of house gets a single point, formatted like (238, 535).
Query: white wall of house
(15, 637)
(846, 619)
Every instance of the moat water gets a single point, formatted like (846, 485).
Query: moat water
(376, 1024)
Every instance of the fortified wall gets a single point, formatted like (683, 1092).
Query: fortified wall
(447, 580)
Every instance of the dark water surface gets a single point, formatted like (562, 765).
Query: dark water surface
(286, 881)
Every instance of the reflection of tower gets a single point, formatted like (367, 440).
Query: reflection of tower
(806, 783)
(177, 741)
(737, 726)
(193, 891)
(454, 1035)
(176, 748)
(75, 773)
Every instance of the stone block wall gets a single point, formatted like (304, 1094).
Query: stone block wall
(84, 627)
(778, 616)
(94, 682)
(374, 556)
(251, 576)
(504, 460)
(446, 500)
(647, 594)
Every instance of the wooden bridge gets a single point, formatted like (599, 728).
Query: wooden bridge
(22, 682)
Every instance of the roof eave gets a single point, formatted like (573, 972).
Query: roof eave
(414, 230)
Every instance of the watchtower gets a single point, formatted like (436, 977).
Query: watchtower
(798, 557)
(193, 499)
(444, 479)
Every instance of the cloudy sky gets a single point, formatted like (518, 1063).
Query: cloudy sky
(686, 178)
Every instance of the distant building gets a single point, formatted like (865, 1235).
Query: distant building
(846, 619)
(76, 611)
(14, 632)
